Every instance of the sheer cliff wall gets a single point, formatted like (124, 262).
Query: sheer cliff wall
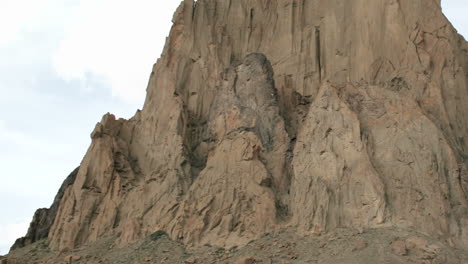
(262, 114)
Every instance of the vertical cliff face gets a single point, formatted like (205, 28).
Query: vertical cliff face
(315, 114)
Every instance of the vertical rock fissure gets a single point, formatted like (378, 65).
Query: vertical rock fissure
(194, 137)
(252, 12)
(293, 21)
(193, 10)
(318, 52)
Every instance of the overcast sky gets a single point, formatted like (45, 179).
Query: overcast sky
(63, 64)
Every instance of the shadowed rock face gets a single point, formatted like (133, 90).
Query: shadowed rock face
(235, 197)
(315, 114)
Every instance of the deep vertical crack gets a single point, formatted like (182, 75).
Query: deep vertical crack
(318, 52)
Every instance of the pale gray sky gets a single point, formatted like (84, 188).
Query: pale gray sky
(63, 64)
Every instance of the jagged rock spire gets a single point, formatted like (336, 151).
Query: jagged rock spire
(365, 127)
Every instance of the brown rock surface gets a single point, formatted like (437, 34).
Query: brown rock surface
(315, 114)
(233, 198)
(246, 260)
(72, 259)
(360, 244)
(399, 248)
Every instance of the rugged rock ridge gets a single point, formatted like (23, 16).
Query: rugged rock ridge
(238, 193)
(353, 117)
(44, 217)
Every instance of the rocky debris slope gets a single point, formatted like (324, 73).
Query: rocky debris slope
(344, 246)
(263, 114)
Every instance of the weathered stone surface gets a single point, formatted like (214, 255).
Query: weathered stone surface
(399, 248)
(360, 244)
(233, 199)
(246, 260)
(368, 156)
(315, 114)
(335, 183)
(72, 259)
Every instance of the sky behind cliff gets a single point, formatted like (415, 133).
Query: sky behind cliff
(63, 64)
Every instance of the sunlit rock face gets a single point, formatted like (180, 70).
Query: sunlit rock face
(311, 114)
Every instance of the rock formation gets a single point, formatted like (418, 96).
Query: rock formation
(44, 218)
(315, 114)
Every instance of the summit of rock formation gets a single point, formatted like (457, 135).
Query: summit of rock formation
(310, 115)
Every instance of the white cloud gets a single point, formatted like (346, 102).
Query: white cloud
(117, 40)
(24, 141)
(14, 18)
(19, 17)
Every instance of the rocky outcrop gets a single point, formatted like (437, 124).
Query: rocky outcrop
(238, 194)
(378, 160)
(306, 113)
(44, 218)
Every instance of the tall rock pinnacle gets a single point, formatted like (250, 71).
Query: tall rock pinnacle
(261, 114)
